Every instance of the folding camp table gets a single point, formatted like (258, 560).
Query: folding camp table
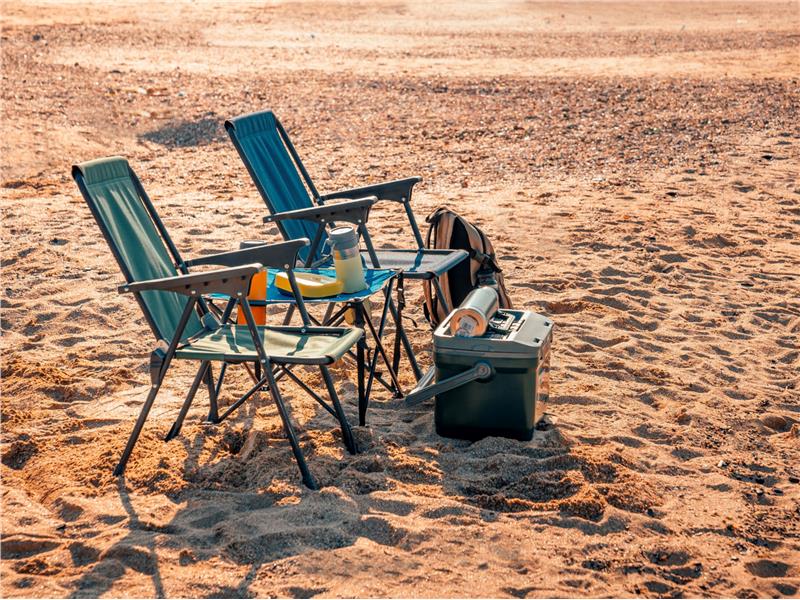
(378, 280)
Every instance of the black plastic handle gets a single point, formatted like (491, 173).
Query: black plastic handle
(480, 370)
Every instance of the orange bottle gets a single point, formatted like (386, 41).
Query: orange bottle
(258, 291)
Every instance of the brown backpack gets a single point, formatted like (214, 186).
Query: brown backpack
(450, 231)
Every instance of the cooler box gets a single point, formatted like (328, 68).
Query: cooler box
(508, 402)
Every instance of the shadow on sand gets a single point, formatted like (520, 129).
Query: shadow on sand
(186, 134)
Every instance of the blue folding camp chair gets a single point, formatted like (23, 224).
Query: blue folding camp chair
(171, 299)
(300, 211)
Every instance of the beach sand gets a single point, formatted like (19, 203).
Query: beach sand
(635, 165)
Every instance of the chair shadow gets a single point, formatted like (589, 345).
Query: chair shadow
(126, 554)
(187, 134)
(212, 512)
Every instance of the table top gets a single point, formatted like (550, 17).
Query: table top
(376, 280)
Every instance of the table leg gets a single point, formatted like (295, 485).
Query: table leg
(361, 350)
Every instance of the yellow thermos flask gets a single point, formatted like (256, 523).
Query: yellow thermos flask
(347, 259)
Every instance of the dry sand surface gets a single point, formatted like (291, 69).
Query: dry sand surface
(636, 165)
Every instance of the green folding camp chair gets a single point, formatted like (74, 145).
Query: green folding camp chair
(285, 185)
(176, 312)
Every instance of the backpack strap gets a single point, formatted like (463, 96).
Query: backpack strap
(427, 306)
(487, 261)
(439, 234)
(434, 217)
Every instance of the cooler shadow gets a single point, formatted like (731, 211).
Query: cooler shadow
(551, 478)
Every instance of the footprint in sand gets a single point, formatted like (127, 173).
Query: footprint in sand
(67, 511)
(304, 592)
(207, 521)
(777, 423)
(381, 531)
(522, 592)
(18, 453)
(667, 556)
(603, 343)
(82, 554)
(562, 307)
(768, 568)
(658, 588)
(16, 547)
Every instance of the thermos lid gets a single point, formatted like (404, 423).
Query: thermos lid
(343, 237)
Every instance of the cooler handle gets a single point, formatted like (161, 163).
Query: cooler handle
(480, 370)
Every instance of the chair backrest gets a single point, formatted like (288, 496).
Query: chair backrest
(137, 238)
(276, 169)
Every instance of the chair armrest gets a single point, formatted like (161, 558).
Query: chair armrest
(221, 281)
(355, 211)
(398, 190)
(275, 256)
(314, 329)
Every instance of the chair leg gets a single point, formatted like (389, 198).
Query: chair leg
(412, 359)
(308, 479)
(284, 370)
(347, 434)
(305, 473)
(233, 407)
(158, 370)
(328, 313)
(381, 351)
(213, 393)
(438, 287)
(176, 426)
(137, 429)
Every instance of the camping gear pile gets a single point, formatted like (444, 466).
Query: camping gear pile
(490, 363)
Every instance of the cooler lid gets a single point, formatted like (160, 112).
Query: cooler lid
(524, 334)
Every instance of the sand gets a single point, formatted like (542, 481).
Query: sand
(634, 163)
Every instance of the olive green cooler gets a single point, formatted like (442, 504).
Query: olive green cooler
(496, 384)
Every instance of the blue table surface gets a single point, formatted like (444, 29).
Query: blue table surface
(376, 280)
